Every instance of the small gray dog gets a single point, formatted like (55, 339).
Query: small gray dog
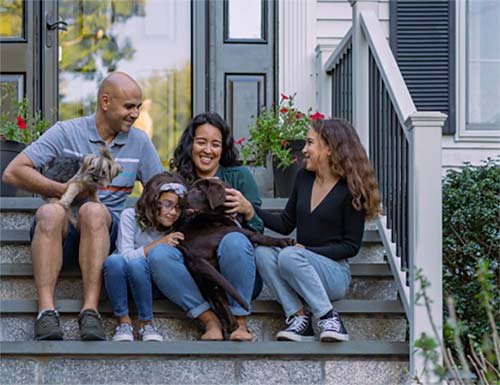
(96, 171)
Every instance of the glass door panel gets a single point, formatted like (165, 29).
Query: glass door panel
(148, 39)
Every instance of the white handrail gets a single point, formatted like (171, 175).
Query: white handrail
(334, 58)
(389, 70)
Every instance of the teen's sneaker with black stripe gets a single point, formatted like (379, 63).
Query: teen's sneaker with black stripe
(332, 329)
(299, 329)
(48, 326)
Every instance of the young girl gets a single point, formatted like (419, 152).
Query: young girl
(151, 223)
(331, 198)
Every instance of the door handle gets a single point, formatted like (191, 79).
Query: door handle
(51, 27)
(60, 24)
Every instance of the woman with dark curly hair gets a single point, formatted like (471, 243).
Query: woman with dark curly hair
(332, 196)
(153, 222)
(206, 149)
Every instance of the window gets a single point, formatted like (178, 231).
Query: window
(479, 69)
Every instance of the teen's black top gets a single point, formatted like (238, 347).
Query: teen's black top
(333, 229)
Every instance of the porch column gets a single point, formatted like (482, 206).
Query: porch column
(360, 50)
(425, 242)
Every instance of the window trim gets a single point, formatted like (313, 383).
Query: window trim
(462, 134)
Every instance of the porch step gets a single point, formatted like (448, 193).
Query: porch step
(164, 306)
(199, 348)
(365, 320)
(21, 236)
(222, 369)
(25, 270)
(71, 288)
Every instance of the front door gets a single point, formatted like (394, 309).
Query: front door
(242, 60)
(189, 57)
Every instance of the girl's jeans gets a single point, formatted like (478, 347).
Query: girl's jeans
(236, 262)
(293, 273)
(117, 274)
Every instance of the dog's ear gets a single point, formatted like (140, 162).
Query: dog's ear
(114, 169)
(216, 195)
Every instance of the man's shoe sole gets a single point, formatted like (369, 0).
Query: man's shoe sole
(92, 337)
(57, 336)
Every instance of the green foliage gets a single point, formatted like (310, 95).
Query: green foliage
(272, 131)
(458, 361)
(17, 123)
(91, 39)
(471, 232)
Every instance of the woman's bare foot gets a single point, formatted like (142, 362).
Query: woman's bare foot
(242, 333)
(213, 327)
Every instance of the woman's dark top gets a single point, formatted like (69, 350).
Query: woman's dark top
(334, 229)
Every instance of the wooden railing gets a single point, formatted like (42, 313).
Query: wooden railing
(404, 146)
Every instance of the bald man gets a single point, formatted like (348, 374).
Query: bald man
(55, 242)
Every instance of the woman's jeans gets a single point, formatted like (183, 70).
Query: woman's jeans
(297, 275)
(236, 262)
(117, 274)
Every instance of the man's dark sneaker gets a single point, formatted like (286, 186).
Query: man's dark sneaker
(91, 328)
(332, 329)
(299, 329)
(47, 326)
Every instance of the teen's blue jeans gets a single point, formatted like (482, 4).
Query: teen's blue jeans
(119, 275)
(293, 273)
(236, 262)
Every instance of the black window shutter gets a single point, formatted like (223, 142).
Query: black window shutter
(422, 39)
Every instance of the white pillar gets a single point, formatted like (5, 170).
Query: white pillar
(425, 241)
(360, 102)
(323, 93)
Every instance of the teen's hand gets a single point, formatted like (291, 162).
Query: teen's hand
(237, 203)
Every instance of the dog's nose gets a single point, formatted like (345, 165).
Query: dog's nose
(95, 178)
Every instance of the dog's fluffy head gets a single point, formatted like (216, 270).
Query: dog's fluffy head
(99, 169)
(207, 195)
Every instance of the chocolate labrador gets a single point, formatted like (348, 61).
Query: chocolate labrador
(203, 230)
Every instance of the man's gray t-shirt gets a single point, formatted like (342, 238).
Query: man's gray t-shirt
(77, 137)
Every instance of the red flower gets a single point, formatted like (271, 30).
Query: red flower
(21, 123)
(284, 110)
(317, 116)
(298, 115)
(284, 97)
(240, 141)
(284, 143)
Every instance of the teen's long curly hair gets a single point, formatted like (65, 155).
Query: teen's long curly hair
(183, 162)
(147, 208)
(350, 162)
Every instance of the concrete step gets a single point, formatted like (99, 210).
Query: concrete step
(366, 270)
(21, 253)
(71, 288)
(201, 363)
(365, 320)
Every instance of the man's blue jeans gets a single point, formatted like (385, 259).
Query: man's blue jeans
(236, 262)
(119, 275)
(297, 275)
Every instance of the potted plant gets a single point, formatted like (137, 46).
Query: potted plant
(279, 131)
(18, 128)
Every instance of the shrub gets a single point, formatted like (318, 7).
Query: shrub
(471, 232)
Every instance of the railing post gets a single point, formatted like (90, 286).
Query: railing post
(360, 56)
(425, 226)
